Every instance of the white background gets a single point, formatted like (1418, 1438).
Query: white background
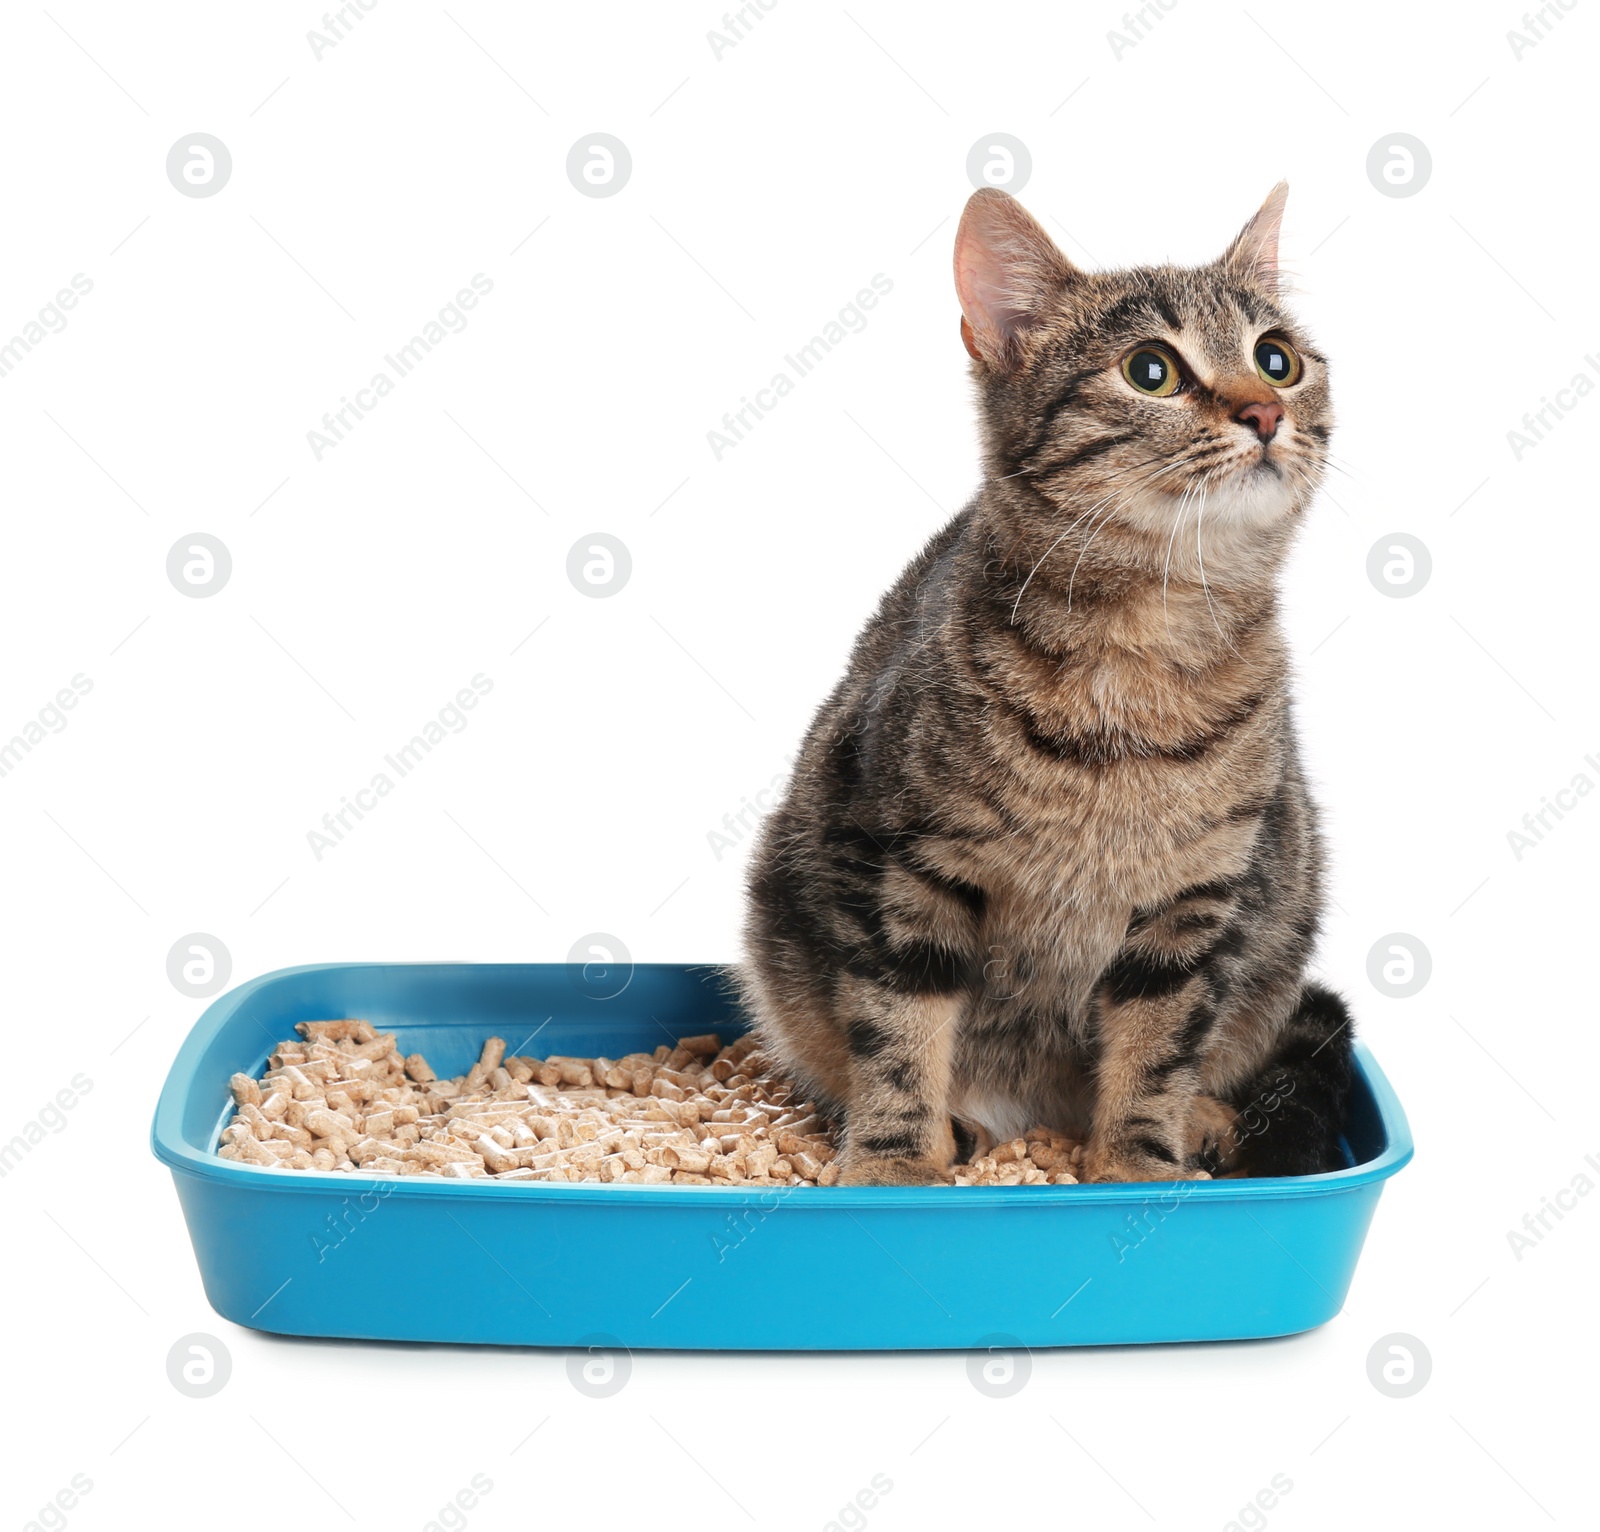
(768, 186)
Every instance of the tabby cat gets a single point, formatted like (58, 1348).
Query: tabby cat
(1047, 855)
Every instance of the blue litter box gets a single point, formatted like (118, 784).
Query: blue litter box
(651, 1267)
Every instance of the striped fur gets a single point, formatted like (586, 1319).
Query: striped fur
(1048, 854)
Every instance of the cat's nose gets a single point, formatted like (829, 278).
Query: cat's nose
(1263, 418)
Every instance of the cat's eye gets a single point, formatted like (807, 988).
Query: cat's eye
(1152, 370)
(1277, 362)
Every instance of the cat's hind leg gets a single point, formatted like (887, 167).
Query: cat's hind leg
(1285, 1118)
(1290, 1115)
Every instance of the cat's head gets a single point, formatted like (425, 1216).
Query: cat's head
(1145, 392)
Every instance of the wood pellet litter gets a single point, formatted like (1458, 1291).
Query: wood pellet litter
(343, 1097)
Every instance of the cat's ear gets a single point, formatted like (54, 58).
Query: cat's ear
(1254, 254)
(1007, 272)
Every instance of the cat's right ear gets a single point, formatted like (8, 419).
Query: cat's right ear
(1008, 271)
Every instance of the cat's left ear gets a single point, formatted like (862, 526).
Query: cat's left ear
(1254, 254)
(1008, 272)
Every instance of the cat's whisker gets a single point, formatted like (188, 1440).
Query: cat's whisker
(1066, 531)
(1309, 480)
(1164, 464)
(1166, 568)
(1094, 532)
(1199, 523)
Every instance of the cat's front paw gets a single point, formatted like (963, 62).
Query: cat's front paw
(1124, 1164)
(878, 1170)
(1216, 1139)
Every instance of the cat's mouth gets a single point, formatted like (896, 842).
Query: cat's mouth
(1257, 461)
(1254, 486)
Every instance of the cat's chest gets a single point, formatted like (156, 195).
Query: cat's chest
(1060, 901)
(1064, 883)
(1112, 834)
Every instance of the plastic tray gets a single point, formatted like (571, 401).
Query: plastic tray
(808, 1268)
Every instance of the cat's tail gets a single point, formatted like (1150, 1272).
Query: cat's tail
(1291, 1115)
